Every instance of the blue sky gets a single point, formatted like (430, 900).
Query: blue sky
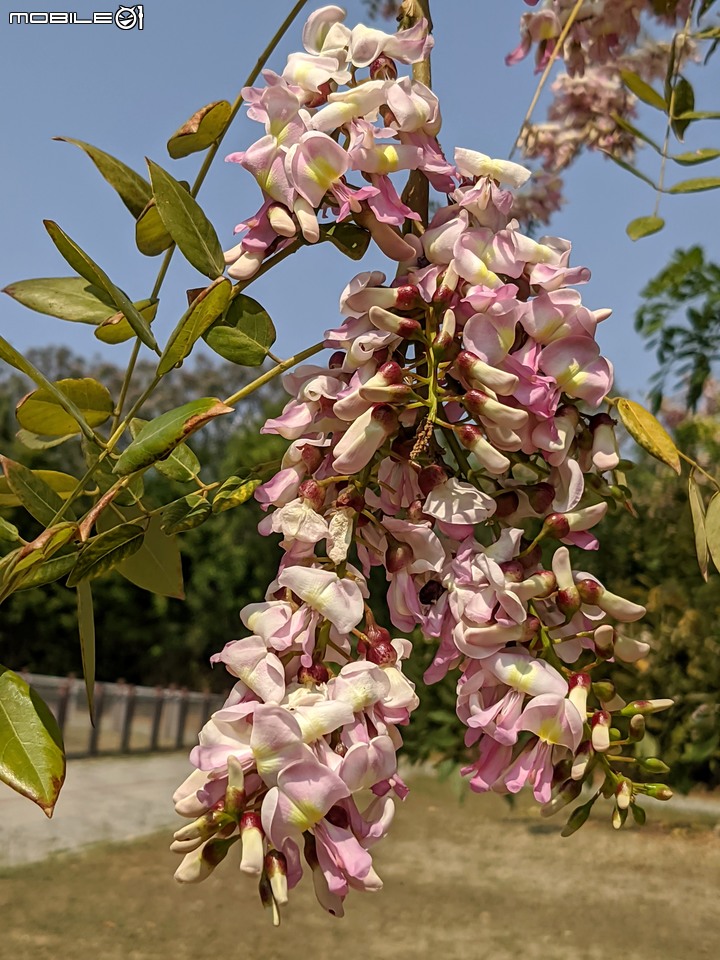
(126, 92)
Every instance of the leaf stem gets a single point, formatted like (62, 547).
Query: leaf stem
(546, 73)
(276, 371)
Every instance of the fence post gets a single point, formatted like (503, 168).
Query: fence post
(127, 719)
(182, 717)
(63, 705)
(157, 717)
(95, 729)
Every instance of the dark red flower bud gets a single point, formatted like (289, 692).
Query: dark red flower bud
(541, 496)
(506, 504)
(556, 524)
(431, 477)
(311, 491)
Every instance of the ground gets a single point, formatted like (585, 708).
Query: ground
(462, 880)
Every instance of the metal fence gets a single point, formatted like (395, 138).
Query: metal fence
(128, 719)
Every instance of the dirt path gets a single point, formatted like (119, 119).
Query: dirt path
(110, 798)
(471, 880)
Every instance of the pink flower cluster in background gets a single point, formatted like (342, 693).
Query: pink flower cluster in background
(453, 441)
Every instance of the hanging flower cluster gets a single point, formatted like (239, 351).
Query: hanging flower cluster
(592, 108)
(452, 441)
(602, 30)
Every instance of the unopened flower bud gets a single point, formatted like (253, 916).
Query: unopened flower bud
(235, 792)
(600, 726)
(568, 602)
(619, 816)
(556, 525)
(636, 728)
(604, 640)
(391, 323)
(481, 375)
(658, 791)
(605, 454)
(253, 843)
(329, 901)
(199, 864)
(506, 504)
(431, 477)
(281, 221)
(472, 438)
(590, 591)
(267, 899)
(398, 556)
(581, 760)
(630, 650)
(653, 765)
(646, 707)
(624, 794)
(579, 684)
(531, 628)
(444, 344)
(276, 870)
(541, 496)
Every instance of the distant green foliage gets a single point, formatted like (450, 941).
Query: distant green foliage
(686, 351)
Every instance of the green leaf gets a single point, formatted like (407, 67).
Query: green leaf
(712, 529)
(643, 91)
(695, 186)
(700, 115)
(159, 438)
(116, 328)
(233, 493)
(86, 629)
(636, 132)
(648, 432)
(34, 441)
(350, 239)
(683, 103)
(8, 531)
(644, 227)
(32, 759)
(47, 572)
(45, 545)
(40, 411)
(245, 333)
(157, 565)
(186, 223)
(151, 236)
(202, 312)
(39, 499)
(697, 512)
(60, 483)
(630, 169)
(82, 264)
(68, 298)
(17, 360)
(696, 156)
(185, 514)
(201, 130)
(134, 190)
(105, 551)
(181, 465)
